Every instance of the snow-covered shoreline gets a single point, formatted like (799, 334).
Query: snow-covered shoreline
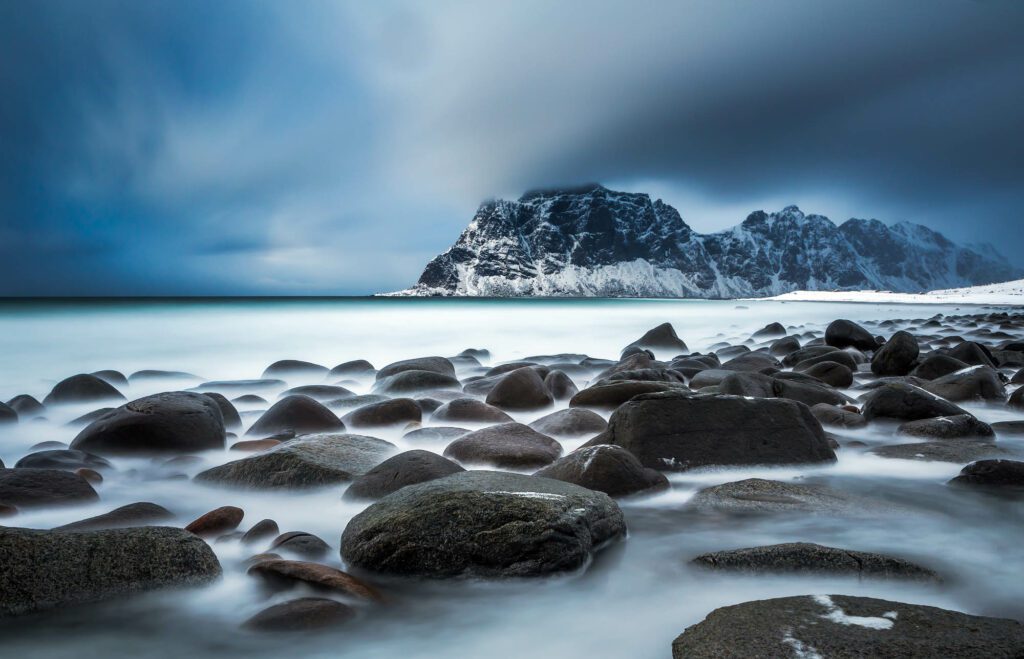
(1005, 293)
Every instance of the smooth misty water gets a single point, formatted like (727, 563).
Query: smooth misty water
(631, 603)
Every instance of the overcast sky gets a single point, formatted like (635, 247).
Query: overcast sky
(315, 147)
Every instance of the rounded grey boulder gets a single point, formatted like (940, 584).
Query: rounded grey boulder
(810, 557)
(396, 472)
(521, 389)
(27, 487)
(173, 422)
(482, 524)
(905, 402)
(469, 410)
(846, 333)
(59, 568)
(570, 422)
(299, 414)
(897, 356)
(506, 445)
(606, 468)
(82, 388)
(398, 411)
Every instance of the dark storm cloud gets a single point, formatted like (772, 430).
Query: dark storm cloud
(246, 146)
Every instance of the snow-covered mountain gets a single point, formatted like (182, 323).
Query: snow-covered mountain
(592, 241)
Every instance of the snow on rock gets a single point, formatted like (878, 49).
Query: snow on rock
(1006, 293)
(592, 241)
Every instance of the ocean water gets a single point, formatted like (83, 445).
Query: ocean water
(634, 599)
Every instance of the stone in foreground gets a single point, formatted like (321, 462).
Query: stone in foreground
(845, 627)
(305, 614)
(810, 557)
(482, 524)
(606, 468)
(678, 431)
(59, 568)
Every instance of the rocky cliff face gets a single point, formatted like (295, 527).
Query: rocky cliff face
(591, 241)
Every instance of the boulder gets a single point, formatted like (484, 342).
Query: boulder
(233, 386)
(142, 513)
(560, 385)
(848, 334)
(679, 431)
(27, 407)
(81, 388)
(232, 421)
(784, 346)
(66, 459)
(661, 338)
(711, 377)
(570, 422)
(1016, 400)
(438, 365)
(305, 462)
(115, 378)
(752, 361)
(56, 569)
(506, 445)
(320, 392)
(295, 368)
(354, 368)
(298, 414)
(842, 357)
(8, 414)
(300, 543)
(807, 557)
(972, 354)
(831, 373)
(482, 524)
(959, 426)
(971, 383)
(754, 385)
(261, 530)
(468, 410)
(435, 434)
(412, 381)
(521, 389)
(216, 522)
(936, 365)
(897, 356)
(280, 574)
(807, 393)
(941, 451)
(396, 472)
(305, 614)
(761, 496)
(844, 626)
(832, 415)
(612, 394)
(173, 422)
(26, 488)
(769, 331)
(1009, 428)
(997, 475)
(808, 352)
(905, 402)
(150, 374)
(606, 468)
(398, 411)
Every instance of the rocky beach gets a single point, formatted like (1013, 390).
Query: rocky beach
(599, 478)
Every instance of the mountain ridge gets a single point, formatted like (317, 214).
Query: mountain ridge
(591, 241)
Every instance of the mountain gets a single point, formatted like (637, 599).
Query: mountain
(592, 241)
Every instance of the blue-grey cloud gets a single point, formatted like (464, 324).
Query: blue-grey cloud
(186, 147)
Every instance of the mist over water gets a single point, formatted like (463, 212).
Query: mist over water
(635, 598)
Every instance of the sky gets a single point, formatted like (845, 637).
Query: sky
(309, 147)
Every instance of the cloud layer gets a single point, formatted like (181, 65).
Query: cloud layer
(323, 147)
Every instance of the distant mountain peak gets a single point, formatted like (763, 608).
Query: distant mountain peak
(591, 241)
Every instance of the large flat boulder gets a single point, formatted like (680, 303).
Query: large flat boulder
(678, 431)
(484, 524)
(807, 557)
(26, 488)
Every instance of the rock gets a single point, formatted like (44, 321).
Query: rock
(784, 346)
(8, 414)
(254, 445)
(81, 388)
(807, 393)
(1016, 400)
(728, 351)
(1009, 428)
(436, 434)
(263, 384)
(94, 477)
(679, 431)
(1002, 475)
(972, 354)
(305, 462)
(752, 361)
(142, 513)
(901, 401)
(300, 543)
(521, 389)
(61, 568)
(437, 365)
(66, 459)
(959, 426)
(769, 331)
(560, 385)
(841, 357)
(398, 411)
(299, 414)
(571, 422)
(482, 524)
(26, 487)
(809, 557)
(661, 338)
(282, 574)
(809, 352)
(613, 394)
(761, 496)
(306, 614)
(396, 472)
(320, 392)
(294, 367)
(350, 403)
(174, 422)
(844, 627)
(217, 521)
(606, 468)
(1018, 377)
(89, 417)
(468, 410)
(831, 373)
(407, 382)
(154, 374)
(832, 415)
(115, 378)
(846, 333)
(232, 421)
(755, 385)
(897, 356)
(936, 365)
(972, 383)
(941, 451)
(356, 367)
(506, 445)
(502, 369)
(261, 530)
(26, 407)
